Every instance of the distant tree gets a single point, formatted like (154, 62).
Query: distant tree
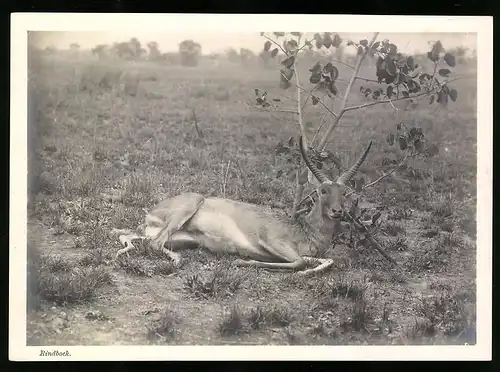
(232, 55)
(154, 50)
(190, 52)
(124, 50)
(246, 56)
(100, 51)
(136, 48)
(74, 46)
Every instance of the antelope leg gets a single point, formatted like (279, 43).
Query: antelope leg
(324, 263)
(296, 265)
(126, 241)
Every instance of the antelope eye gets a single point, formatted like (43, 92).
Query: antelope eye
(323, 191)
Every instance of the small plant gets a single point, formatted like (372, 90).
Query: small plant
(77, 285)
(257, 317)
(132, 267)
(232, 324)
(221, 283)
(163, 268)
(163, 329)
(359, 317)
(393, 228)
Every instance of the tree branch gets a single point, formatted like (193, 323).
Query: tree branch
(397, 99)
(299, 108)
(330, 129)
(274, 42)
(308, 91)
(374, 243)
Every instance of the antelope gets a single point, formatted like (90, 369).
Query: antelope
(254, 234)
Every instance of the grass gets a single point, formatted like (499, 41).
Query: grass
(111, 142)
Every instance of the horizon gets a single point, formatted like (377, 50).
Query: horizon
(218, 42)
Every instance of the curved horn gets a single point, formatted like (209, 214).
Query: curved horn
(348, 174)
(317, 173)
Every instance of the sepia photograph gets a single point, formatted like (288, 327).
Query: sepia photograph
(211, 188)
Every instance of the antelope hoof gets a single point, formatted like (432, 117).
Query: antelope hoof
(176, 259)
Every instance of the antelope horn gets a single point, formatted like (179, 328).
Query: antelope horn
(348, 174)
(317, 173)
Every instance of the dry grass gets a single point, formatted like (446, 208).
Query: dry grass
(113, 140)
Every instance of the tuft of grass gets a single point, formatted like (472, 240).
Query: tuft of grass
(221, 283)
(163, 268)
(393, 228)
(132, 267)
(163, 329)
(359, 318)
(257, 317)
(54, 279)
(232, 324)
(73, 286)
(274, 316)
(96, 258)
(448, 314)
(443, 206)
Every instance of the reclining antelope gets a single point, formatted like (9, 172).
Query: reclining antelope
(190, 220)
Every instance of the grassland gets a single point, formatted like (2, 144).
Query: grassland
(110, 140)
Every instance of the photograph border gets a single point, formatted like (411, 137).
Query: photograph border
(21, 23)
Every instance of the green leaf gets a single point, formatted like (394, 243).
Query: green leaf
(419, 145)
(327, 40)
(319, 40)
(315, 78)
(392, 49)
(331, 70)
(375, 45)
(453, 94)
(364, 42)
(316, 68)
(433, 57)
(267, 46)
(315, 100)
(336, 41)
(442, 97)
(298, 34)
(444, 72)
(450, 59)
(390, 139)
(410, 62)
(390, 91)
(288, 62)
(437, 48)
(403, 145)
(279, 34)
(391, 67)
(274, 52)
(405, 94)
(291, 46)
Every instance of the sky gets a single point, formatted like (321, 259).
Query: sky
(216, 41)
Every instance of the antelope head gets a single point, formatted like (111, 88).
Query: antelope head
(330, 204)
